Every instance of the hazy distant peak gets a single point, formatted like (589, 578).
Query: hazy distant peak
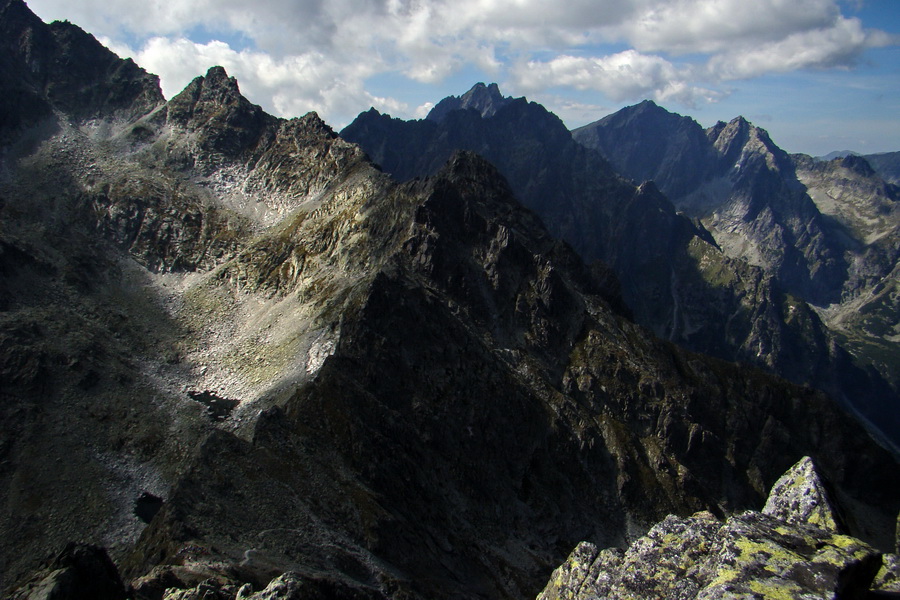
(856, 163)
(837, 154)
(486, 99)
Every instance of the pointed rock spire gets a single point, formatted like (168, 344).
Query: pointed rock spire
(800, 497)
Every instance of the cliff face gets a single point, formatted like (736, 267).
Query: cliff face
(231, 347)
(738, 181)
(824, 230)
(675, 278)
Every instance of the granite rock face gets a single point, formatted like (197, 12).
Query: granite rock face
(790, 550)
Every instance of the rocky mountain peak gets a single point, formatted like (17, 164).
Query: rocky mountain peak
(17, 21)
(645, 107)
(61, 66)
(857, 164)
(730, 138)
(750, 198)
(217, 79)
(229, 125)
(740, 139)
(645, 141)
(392, 389)
(486, 99)
(206, 95)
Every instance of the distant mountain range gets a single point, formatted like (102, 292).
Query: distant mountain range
(239, 359)
(826, 230)
(737, 274)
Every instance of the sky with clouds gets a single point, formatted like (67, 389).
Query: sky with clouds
(819, 75)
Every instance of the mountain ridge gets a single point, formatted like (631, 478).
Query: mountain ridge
(823, 229)
(675, 278)
(421, 392)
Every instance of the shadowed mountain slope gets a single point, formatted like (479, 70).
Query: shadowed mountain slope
(239, 329)
(675, 279)
(826, 230)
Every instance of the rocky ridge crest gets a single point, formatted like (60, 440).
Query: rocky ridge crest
(794, 548)
(484, 99)
(825, 231)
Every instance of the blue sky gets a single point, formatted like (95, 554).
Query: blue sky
(819, 75)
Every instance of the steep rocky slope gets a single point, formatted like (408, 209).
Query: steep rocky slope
(738, 181)
(865, 215)
(674, 278)
(237, 329)
(826, 231)
(887, 165)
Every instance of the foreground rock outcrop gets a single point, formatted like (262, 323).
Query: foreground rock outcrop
(794, 548)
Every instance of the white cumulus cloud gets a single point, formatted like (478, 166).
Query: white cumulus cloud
(296, 55)
(839, 45)
(621, 76)
(289, 86)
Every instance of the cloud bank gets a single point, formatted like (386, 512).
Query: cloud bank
(293, 56)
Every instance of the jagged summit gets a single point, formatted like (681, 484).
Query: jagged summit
(486, 99)
(857, 164)
(807, 224)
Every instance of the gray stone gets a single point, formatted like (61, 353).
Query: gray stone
(800, 497)
(770, 554)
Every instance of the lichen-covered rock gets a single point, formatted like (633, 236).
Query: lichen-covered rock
(779, 553)
(672, 559)
(888, 577)
(758, 554)
(801, 497)
(568, 579)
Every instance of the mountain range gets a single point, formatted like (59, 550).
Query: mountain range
(240, 359)
(826, 230)
(749, 283)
